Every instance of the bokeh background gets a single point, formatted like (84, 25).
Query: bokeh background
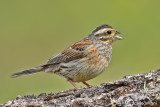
(32, 31)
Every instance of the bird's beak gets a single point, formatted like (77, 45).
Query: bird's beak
(118, 32)
(118, 37)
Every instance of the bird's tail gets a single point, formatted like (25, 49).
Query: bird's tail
(28, 71)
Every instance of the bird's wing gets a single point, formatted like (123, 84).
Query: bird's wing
(74, 52)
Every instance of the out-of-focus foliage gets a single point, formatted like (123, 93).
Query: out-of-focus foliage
(33, 31)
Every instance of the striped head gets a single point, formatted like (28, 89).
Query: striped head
(105, 34)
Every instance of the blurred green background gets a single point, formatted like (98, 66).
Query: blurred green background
(32, 31)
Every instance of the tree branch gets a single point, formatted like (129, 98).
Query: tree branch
(131, 91)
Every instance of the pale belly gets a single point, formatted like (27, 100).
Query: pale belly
(85, 75)
(79, 72)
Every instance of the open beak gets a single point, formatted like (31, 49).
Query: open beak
(118, 32)
(118, 37)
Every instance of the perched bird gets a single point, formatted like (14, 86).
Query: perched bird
(84, 59)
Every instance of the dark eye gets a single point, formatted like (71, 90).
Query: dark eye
(109, 32)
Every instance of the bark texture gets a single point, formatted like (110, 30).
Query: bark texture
(141, 90)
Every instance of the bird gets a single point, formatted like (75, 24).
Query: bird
(83, 60)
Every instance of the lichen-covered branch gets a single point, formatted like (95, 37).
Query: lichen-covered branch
(131, 91)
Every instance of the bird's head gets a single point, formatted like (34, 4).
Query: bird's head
(106, 34)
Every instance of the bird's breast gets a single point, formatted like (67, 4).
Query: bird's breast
(95, 62)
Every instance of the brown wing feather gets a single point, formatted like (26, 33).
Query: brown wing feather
(74, 52)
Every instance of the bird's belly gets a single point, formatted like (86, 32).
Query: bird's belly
(85, 75)
(83, 70)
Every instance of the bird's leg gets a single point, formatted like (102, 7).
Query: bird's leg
(85, 83)
(73, 84)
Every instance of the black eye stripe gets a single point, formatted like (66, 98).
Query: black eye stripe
(104, 33)
(104, 39)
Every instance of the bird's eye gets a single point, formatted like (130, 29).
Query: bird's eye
(109, 32)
